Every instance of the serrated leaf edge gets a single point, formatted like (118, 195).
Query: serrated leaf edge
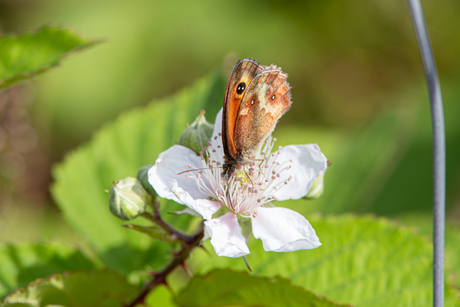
(25, 75)
(64, 274)
(270, 279)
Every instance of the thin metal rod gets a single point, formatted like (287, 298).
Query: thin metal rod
(439, 150)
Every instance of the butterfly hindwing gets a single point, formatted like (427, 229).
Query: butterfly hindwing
(266, 99)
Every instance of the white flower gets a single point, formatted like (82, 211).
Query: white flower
(287, 173)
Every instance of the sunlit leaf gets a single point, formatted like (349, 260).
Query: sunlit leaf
(423, 223)
(363, 261)
(25, 262)
(82, 288)
(118, 151)
(229, 288)
(25, 55)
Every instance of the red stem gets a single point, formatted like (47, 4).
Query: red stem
(160, 277)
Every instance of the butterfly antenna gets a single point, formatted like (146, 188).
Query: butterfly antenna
(197, 169)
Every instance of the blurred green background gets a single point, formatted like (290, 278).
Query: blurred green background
(354, 67)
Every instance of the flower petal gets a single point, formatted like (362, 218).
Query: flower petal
(307, 163)
(218, 124)
(164, 173)
(226, 237)
(205, 207)
(164, 179)
(283, 230)
(216, 140)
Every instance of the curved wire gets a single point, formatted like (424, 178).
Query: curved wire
(439, 150)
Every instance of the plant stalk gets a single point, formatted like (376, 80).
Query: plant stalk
(179, 259)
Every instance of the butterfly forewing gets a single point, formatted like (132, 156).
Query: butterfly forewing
(242, 75)
(255, 98)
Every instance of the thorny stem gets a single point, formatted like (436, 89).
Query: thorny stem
(157, 219)
(181, 256)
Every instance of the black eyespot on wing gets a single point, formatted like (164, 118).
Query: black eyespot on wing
(273, 97)
(241, 87)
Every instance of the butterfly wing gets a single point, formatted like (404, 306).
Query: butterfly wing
(266, 99)
(242, 75)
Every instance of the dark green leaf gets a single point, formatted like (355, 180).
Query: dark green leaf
(229, 288)
(363, 261)
(83, 288)
(28, 54)
(25, 262)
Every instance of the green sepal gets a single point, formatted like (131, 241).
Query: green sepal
(186, 211)
(317, 188)
(128, 198)
(246, 261)
(143, 177)
(246, 227)
(222, 211)
(197, 135)
(154, 232)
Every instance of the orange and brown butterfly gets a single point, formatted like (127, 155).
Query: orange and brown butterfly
(255, 99)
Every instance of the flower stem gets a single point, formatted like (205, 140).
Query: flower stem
(157, 219)
(179, 259)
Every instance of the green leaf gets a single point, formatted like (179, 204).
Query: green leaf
(363, 261)
(25, 262)
(423, 222)
(229, 288)
(83, 288)
(118, 151)
(361, 162)
(28, 54)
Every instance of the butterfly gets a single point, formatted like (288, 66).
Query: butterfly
(255, 99)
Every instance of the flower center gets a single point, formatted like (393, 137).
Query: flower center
(248, 188)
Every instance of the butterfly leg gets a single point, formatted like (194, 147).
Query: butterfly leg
(248, 175)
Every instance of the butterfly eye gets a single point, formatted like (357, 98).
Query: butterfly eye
(241, 87)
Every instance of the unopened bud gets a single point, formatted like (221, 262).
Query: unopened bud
(197, 134)
(128, 198)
